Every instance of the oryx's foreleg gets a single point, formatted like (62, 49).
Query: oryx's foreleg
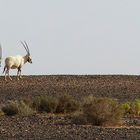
(19, 73)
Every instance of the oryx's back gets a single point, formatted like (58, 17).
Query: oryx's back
(14, 61)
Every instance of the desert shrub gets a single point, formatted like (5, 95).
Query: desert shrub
(24, 109)
(88, 100)
(45, 104)
(79, 118)
(102, 111)
(27, 101)
(135, 108)
(66, 104)
(131, 108)
(17, 107)
(10, 109)
(126, 108)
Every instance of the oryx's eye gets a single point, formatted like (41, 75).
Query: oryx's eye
(29, 60)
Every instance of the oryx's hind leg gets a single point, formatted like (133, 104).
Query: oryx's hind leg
(7, 72)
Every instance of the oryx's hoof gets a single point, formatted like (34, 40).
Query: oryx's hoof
(10, 78)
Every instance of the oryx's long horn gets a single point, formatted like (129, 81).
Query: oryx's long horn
(24, 47)
(27, 46)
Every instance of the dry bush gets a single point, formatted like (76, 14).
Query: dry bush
(135, 107)
(66, 104)
(27, 101)
(126, 108)
(17, 107)
(45, 104)
(79, 118)
(132, 108)
(10, 109)
(24, 109)
(102, 111)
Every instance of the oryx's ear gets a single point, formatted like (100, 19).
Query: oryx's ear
(0, 54)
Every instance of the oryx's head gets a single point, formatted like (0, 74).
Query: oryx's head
(29, 59)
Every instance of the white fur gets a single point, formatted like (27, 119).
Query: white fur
(14, 61)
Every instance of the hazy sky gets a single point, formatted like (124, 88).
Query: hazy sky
(73, 36)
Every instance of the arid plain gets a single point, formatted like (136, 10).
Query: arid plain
(121, 87)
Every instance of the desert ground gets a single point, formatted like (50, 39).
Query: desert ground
(121, 87)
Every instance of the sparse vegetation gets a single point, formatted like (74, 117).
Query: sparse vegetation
(126, 108)
(24, 109)
(91, 110)
(10, 109)
(132, 108)
(102, 111)
(135, 107)
(16, 107)
(45, 104)
(66, 104)
(79, 118)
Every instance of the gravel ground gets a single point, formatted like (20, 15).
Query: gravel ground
(38, 127)
(123, 88)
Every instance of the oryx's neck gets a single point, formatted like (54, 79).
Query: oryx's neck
(25, 58)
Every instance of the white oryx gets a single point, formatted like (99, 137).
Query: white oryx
(16, 62)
